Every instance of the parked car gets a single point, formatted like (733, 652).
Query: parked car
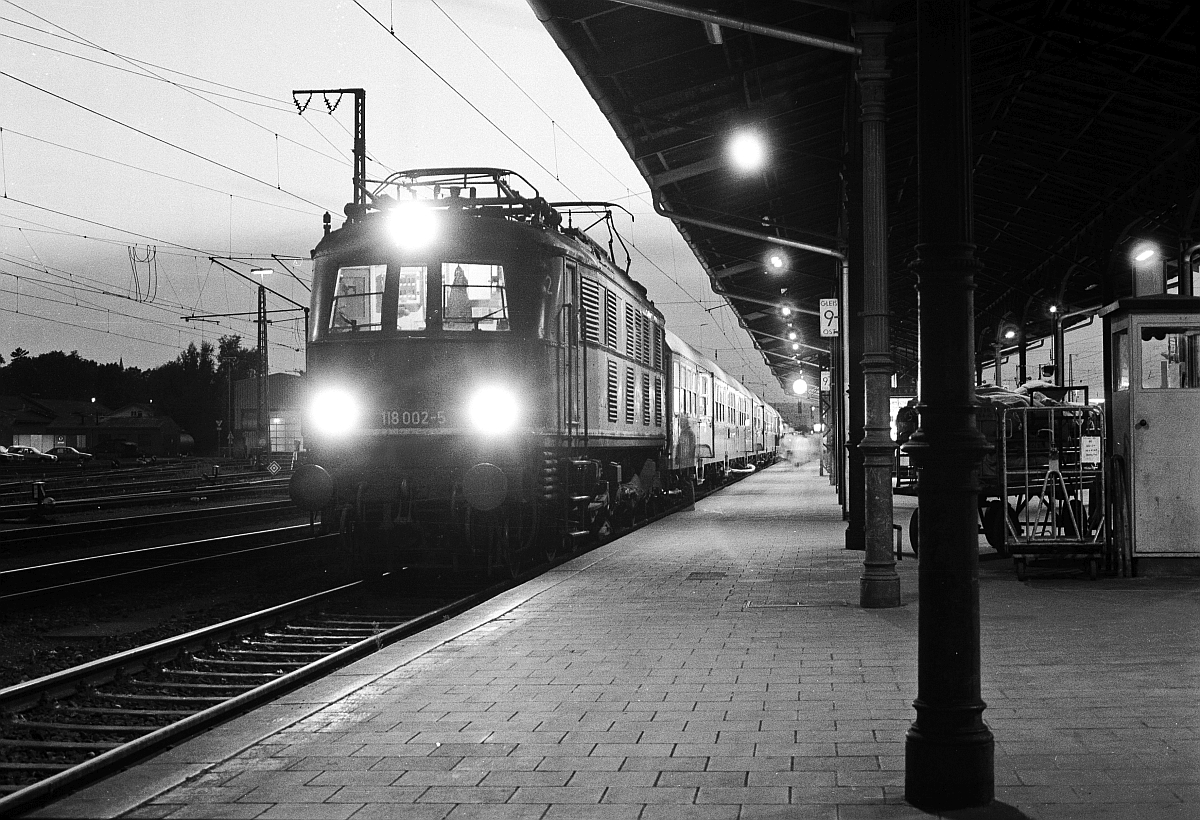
(7, 456)
(118, 453)
(69, 454)
(31, 453)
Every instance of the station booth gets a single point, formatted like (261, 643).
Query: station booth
(1153, 406)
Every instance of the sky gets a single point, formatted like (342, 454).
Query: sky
(140, 141)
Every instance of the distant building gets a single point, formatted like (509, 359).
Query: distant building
(154, 434)
(46, 423)
(285, 398)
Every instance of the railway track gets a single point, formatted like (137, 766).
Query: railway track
(37, 583)
(48, 536)
(66, 729)
(146, 495)
(63, 730)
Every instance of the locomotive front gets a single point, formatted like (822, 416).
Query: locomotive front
(430, 361)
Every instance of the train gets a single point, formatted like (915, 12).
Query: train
(486, 383)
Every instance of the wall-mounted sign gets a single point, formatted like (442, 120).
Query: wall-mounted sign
(829, 317)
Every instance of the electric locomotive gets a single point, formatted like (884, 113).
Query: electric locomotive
(485, 381)
(449, 373)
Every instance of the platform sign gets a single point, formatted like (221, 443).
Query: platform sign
(1089, 449)
(829, 317)
(826, 381)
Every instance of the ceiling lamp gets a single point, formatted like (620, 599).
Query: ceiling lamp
(746, 151)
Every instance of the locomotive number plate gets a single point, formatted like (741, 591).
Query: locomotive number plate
(413, 418)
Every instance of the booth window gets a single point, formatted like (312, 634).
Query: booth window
(1169, 357)
(410, 298)
(358, 299)
(1120, 364)
(473, 297)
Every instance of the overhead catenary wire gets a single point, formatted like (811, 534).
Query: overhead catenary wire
(156, 173)
(554, 125)
(144, 72)
(87, 285)
(673, 276)
(168, 143)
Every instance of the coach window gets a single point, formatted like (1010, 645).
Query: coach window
(473, 297)
(358, 299)
(410, 298)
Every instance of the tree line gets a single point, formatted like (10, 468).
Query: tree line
(192, 388)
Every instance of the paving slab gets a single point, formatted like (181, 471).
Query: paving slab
(714, 665)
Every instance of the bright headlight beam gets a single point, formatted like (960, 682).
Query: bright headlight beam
(334, 412)
(412, 225)
(493, 410)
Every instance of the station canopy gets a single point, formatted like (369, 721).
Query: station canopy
(1085, 117)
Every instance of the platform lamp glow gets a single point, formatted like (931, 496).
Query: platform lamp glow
(747, 151)
(1148, 274)
(1007, 332)
(261, 431)
(800, 386)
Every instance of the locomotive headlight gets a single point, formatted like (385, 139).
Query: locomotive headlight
(334, 412)
(493, 410)
(412, 225)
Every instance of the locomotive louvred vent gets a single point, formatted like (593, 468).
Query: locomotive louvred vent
(631, 335)
(645, 400)
(629, 388)
(612, 328)
(614, 391)
(658, 402)
(590, 299)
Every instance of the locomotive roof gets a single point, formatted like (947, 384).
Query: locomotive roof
(457, 190)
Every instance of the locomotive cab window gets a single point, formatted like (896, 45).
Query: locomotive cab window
(473, 297)
(410, 298)
(358, 299)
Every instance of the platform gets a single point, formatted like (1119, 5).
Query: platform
(712, 665)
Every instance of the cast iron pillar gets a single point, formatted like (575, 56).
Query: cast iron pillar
(879, 585)
(949, 749)
(852, 325)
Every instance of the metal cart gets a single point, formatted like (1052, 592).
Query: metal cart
(1042, 488)
(1052, 492)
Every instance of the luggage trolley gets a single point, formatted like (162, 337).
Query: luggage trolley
(1052, 485)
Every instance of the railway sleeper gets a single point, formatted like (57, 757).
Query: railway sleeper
(62, 745)
(26, 766)
(202, 687)
(136, 698)
(274, 665)
(362, 622)
(359, 628)
(84, 727)
(128, 713)
(201, 673)
(270, 654)
(314, 644)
